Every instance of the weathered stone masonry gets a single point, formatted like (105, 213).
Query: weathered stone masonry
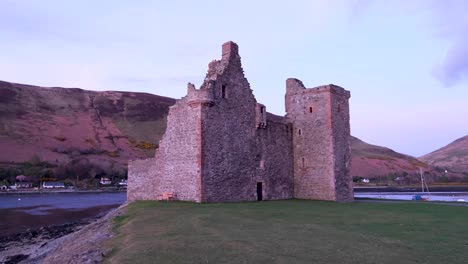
(221, 145)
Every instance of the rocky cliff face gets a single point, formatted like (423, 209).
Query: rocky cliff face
(60, 125)
(453, 157)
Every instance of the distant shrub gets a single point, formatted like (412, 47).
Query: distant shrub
(418, 163)
(113, 154)
(444, 179)
(91, 142)
(61, 139)
(145, 145)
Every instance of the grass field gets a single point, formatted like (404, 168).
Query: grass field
(293, 231)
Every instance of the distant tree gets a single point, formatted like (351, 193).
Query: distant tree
(444, 179)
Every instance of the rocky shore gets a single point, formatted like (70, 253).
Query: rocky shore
(77, 242)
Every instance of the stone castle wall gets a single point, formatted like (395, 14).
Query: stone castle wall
(320, 140)
(220, 144)
(228, 132)
(177, 162)
(274, 159)
(341, 145)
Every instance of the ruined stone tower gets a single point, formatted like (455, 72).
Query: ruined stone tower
(221, 145)
(321, 146)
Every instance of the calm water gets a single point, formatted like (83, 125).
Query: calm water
(439, 196)
(19, 212)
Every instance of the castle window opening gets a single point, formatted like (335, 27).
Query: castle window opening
(303, 163)
(300, 132)
(223, 91)
(261, 109)
(339, 108)
(310, 109)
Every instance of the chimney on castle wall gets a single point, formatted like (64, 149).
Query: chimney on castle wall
(230, 49)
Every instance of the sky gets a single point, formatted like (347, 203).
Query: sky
(405, 62)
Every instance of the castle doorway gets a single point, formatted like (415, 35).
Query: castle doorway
(259, 191)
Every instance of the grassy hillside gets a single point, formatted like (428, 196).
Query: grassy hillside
(293, 231)
(88, 134)
(453, 157)
(77, 129)
(371, 161)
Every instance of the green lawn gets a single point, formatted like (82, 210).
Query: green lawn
(293, 231)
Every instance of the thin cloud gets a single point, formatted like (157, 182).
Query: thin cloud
(452, 25)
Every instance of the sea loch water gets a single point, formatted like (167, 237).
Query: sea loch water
(20, 211)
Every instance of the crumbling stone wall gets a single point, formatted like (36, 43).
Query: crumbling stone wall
(177, 162)
(229, 132)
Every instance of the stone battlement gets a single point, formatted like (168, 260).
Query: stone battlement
(221, 145)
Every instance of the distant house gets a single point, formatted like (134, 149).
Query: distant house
(53, 185)
(105, 181)
(3, 188)
(123, 183)
(365, 180)
(23, 185)
(21, 178)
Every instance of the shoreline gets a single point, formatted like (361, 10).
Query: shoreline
(364, 189)
(60, 191)
(77, 242)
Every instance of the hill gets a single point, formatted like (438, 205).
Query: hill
(86, 129)
(84, 133)
(370, 160)
(453, 157)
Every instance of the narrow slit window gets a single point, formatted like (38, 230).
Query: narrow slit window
(303, 162)
(300, 132)
(223, 91)
(339, 108)
(310, 109)
(261, 109)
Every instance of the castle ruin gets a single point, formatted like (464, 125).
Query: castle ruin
(220, 145)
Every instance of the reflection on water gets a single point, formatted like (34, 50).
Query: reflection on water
(439, 196)
(19, 212)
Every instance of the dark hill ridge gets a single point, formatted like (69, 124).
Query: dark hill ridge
(61, 124)
(65, 124)
(453, 157)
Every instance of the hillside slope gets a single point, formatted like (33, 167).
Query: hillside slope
(370, 160)
(61, 125)
(453, 157)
